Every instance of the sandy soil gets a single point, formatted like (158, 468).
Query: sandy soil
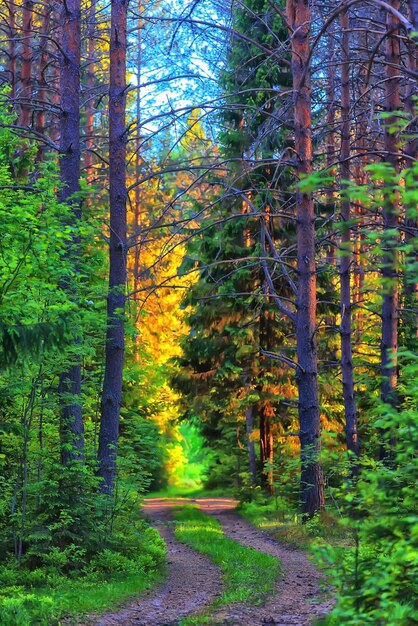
(193, 582)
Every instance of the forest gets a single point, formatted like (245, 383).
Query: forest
(208, 312)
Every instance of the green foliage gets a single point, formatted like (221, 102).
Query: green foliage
(25, 608)
(64, 548)
(222, 373)
(281, 519)
(141, 452)
(44, 595)
(139, 550)
(376, 580)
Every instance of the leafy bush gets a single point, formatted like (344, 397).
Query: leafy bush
(133, 554)
(377, 580)
(139, 551)
(24, 609)
(108, 562)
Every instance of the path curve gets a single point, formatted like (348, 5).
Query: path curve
(297, 599)
(193, 581)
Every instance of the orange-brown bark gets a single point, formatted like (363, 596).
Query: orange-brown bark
(12, 67)
(390, 211)
(90, 110)
(312, 484)
(26, 67)
(42, 81)
(347, 370)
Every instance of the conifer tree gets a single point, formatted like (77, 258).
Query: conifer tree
(346, 324)
(115, 340)
(26, 64)
(312, 483)
(72, 437)
(233, 320)
(391, 218)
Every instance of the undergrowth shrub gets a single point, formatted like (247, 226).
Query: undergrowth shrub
(376, 580)
(35, 596)
(20, 610)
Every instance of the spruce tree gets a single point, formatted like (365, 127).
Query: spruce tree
(234, 324)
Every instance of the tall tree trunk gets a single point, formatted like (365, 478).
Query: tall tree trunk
(11, 53)
(138, 160)
(112, 385)
(263, 445)
(266, 327)
(331, 260)
(358, 246)
(55, 75)
(249, 427)
(330, 155)
(42, 82)
(72, 432)
(390, 244)
(413, 9)
(409, 316)
(312, 483)
(90, 109)
(267, 321)
(266, 448)
(363, 102)
(411, 147)
(26, 64)
(347, 369)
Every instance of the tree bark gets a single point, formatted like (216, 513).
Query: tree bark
(55, 74)
(72, 430)
(26, 67)
(138, 161)
(411, 147)
(249, 427)
(330, 157)
(90, 110)
(347, 370)
(112, 385)
(11, 53)
(42, 82)
(267, 321)
(312, 483)
(390, 299)
(409, 316)
(413, 9)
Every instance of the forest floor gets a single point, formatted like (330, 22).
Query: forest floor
(193, 582)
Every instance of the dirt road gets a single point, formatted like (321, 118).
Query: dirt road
(193, 582)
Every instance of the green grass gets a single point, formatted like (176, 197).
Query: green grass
(43, 595)
(72, 599)
(248, 576)
(275, 518)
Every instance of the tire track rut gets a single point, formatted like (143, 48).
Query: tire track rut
(193, 582)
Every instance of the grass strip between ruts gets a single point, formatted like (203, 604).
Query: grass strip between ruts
(248, 576)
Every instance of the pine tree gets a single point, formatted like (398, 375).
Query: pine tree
(233, 320)
(72, 427)
(115, 340)
(312, 483)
